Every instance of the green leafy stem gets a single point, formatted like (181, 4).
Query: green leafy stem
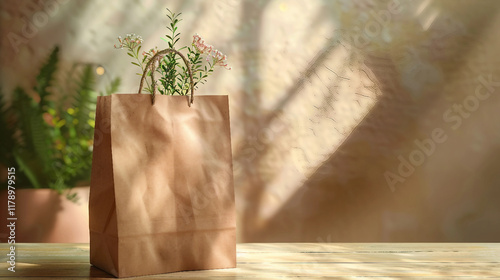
(174, 76)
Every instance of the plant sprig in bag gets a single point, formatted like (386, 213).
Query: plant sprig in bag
(174, 75)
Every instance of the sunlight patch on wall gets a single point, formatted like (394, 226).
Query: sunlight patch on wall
(313, 122)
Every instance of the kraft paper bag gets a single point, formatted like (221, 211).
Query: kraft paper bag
(161, 194)
(161, 197)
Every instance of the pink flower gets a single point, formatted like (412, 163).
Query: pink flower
(200, 45)
(131, 41)
(150, 53)
(217, 56)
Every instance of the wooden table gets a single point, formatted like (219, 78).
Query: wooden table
(286, 261)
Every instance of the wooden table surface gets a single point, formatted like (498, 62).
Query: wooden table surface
(286, 261)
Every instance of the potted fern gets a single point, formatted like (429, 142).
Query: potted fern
(47, 141)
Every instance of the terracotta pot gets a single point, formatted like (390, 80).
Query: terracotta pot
(47, 217)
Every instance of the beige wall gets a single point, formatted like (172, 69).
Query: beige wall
(325, 97)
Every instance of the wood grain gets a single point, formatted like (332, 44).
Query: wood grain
(286, 261)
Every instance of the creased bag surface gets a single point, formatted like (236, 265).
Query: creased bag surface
(162, 196)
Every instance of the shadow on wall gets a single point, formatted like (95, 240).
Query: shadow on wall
(450, 197)
(348, 198)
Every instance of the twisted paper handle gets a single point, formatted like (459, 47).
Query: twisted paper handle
(152, 66)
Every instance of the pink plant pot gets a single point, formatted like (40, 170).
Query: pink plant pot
(44, 216)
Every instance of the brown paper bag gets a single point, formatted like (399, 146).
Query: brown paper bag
(161, 194)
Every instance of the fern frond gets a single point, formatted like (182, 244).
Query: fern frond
(41, 141)
(29, 167)
(34, 152)
(46, 76)
(85, 98)
(7, 141)
(23, 107)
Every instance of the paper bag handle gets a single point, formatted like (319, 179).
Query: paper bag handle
(152, 66)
